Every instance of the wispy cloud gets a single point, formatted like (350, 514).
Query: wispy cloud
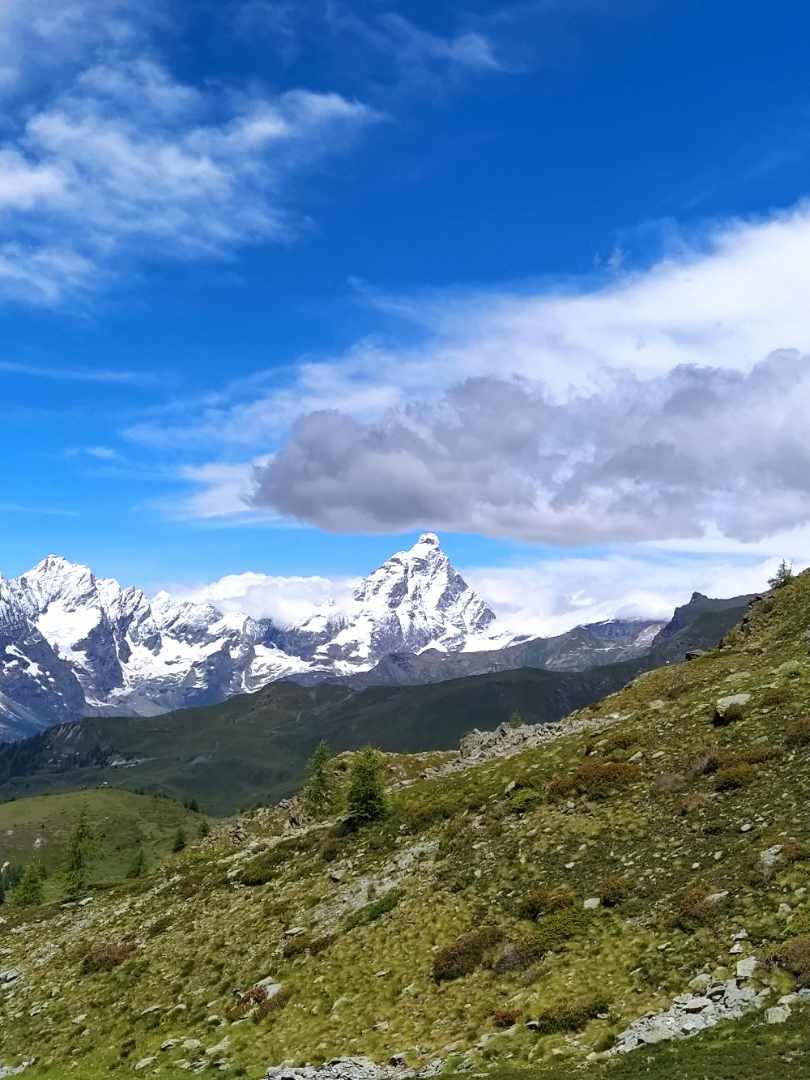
(81, 374)
(123, 159)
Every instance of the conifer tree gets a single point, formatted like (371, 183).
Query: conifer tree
(78, 855)
(366, 799)
(138, 868)
(29, 890)
(318, 795)
(179, 840)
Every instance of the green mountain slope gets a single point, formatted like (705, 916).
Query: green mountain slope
(121, 823)
(659, 841)
(254, 747)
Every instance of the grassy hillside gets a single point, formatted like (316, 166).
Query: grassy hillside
(121, 823)
(684, 815)
(254, 748)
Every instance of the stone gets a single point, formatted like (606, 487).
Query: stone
(769, 858)
(746, 967)
(728, 707)
(219, 1048)
(777, 1014)
(144, 1063)
(592, 903)
(270, 986)
(9, 975)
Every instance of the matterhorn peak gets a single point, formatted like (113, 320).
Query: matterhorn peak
(428, 539)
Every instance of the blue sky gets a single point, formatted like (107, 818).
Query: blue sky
(283, 284)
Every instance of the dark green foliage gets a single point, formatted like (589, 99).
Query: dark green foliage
(365, 915)
(318, 794)
(78, 855)
(524, 799)
(179, 840)
(138, 868)
(570, 1015)
(783, 575)
(366, 800)
(204, 829)
(30, 889)
(465, 954)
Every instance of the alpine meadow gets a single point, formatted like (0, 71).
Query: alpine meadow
(404, 540)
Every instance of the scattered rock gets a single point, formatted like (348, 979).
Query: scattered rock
(357, 1068)
(592, 903)
(144, 1063)
(777, 1015)
(746, 967)
(690, 1014)
(730, 707)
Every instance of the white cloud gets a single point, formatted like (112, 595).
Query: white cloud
(285, 600)
(117, 157)
(550, 597)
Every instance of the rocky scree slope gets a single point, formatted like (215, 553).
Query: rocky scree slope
(73, 645)
(529, 911)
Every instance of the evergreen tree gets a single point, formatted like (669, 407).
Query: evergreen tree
(179, 840)
(366, 799)
(204, 829)
(2, 889)
(782, 576)
(29, 890)
(318, 795)
(78, 855)
(138, 868)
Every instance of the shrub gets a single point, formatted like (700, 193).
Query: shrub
(596, 779)
(272, 1004)
(794, 956)
(365, 915)
(104, 956)
(693, 908)
(705, 763)
(505, 1018)
(524, 799)
(733, 777)
(543, 901)
(613, 891)
(330, 849)
(570, 1015)
(465, 954)
(729, 715)
(797, 732)
(318, 794)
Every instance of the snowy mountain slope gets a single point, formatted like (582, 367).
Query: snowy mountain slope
(72, 644)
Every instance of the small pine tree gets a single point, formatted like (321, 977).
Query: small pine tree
(78, 855)
(138, 868)
(179, 840)
(2, 889)
(318, 795)
(366, 799)
(204, 829)
(29, 890)
(782, 576)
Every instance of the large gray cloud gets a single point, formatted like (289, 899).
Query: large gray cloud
(641, 459)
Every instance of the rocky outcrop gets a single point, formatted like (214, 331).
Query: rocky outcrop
(692, 1013)
(353, 1068)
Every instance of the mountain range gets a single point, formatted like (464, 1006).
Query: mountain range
(73, 645)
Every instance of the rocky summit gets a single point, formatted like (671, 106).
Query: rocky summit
(73, 645)
(618, 896)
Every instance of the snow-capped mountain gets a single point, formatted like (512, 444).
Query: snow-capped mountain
(72, 644)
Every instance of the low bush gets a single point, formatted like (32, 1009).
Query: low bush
(104, 956)
(524, 799)
(794, 956)
(544, 901)
(693, 908)
(595, 779)
(613, 891)
(570, 1015)
(505, 1018)
(465, 954)
(797, 732)
(734, 777)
